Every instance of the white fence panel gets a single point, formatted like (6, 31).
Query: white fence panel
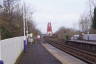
(89, 36)
(11, 49)
(0, 50)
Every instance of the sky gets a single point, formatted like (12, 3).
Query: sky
(1, 2)
(61, 13)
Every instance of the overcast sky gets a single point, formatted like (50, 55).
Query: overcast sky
(59, 12)
(1, 2)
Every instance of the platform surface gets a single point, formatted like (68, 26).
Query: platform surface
(44, 53)
(83, 41)
(37, 54)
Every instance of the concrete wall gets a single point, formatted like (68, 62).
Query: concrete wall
(89, 37)
(11, 49)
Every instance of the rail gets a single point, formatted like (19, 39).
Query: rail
(83, 51)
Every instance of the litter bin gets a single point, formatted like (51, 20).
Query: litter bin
(1, 62)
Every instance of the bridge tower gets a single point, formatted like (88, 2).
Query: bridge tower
(49, 29)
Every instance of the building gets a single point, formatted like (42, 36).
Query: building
(49, 29)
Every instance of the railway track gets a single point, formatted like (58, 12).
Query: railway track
(84, 55)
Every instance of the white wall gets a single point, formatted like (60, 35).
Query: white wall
(11, 49)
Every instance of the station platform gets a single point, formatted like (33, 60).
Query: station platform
(63, 57)
(37, 54)
(85, 41)
(44, 53)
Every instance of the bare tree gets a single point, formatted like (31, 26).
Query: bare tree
(65, 33)
(84, 24)
(92, 4)
(11, 19)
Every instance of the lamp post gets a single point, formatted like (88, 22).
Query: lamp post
(24, 27)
